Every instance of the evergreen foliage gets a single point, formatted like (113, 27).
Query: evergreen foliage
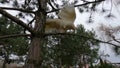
(71, 50)
(17, 46)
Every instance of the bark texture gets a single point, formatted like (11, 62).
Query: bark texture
(34, 59)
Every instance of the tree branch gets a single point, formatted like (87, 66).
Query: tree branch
(89, 3)
(78, 5)
(23, 35)
(113, 37)
(16, 20)
(51, 4)
(82, 37)
(17, 9)
(15, 35)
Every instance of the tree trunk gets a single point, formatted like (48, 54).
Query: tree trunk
(4, 64)
(34, 59)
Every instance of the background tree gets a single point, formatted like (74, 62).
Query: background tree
(12, 46)
(71, 50)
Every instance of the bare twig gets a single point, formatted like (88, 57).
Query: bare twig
(113, 37)
(16, 20)
(31, 22)
(51, 4)
(17, 9)
(89, 3)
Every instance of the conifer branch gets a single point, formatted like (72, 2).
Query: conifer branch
(16, 20)
(14, 35)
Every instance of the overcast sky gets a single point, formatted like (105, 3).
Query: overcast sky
(98, 19)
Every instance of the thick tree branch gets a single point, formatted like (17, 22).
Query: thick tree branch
(17, 9)
(78, 5)
(16, 20)
(50, 34)
(15, 35)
